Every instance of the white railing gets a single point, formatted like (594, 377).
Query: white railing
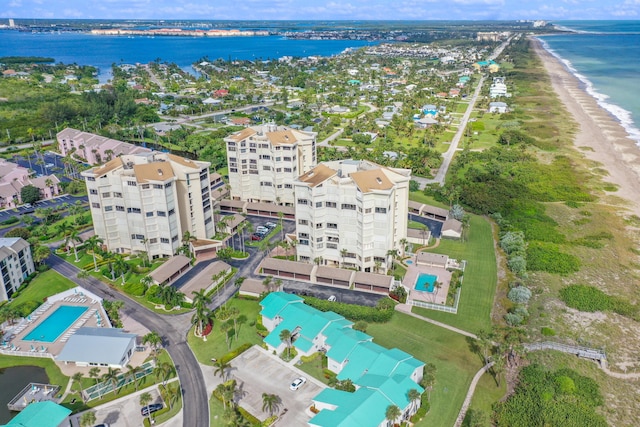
(438, 307)
(586, 352)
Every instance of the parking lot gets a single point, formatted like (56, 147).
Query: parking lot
(257, 372)
(124, 412)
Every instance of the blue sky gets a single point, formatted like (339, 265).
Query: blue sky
(323, 9)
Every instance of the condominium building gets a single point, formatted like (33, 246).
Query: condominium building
(16, 264)
(146, 202)
(351, 213)
(95, 149)
(264, 162)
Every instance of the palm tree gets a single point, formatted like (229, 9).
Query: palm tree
(112, 376)
(343, 254)
(225, 328)
(202, 312)
(285, 335)
(77, 379)
(267, 283)
(221, 367)
(414, 396)
(403, 243)
(147, 281)
(172, 392)
(145, 399)
(155, 341)
(133, 371)
(486, 343)
(220, 389)
(280, 217)
(93, 243)
(88, 419)
(270, 402)
(392, 414)
(94, 373)
(72, 236)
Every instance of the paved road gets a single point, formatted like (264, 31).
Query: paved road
(174, 332)
(325, 142)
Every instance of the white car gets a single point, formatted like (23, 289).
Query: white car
(297, 383)
(331, 298)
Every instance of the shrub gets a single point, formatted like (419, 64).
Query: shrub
(10, 220)
(18, 232)
(547, 257)
(379, 314)
(519, 294)
(513, 319)
(521, 311)
(518, 265)
(135, 289)
(399, 294)
(585, 298)
(513, 242)
(236, 352)
(361, 326)
(548, 332)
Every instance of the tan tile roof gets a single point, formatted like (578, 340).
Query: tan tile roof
(370, 180)
(435, 210)
(373, 279)
(270, 207)
(430, 258)
(203, 279)
(156, 171)
(108, 167)
(252, 286)
(243, 134)
(282, 137)
(317, 175)
(287, 266)
(453, 225)
(182, 161)
(334, 273)
(169, 268)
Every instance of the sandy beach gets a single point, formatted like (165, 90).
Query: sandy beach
(607, 141)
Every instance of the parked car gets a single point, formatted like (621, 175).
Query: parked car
(255, 236)
(297, 383)
(262, 229)
(150, 409)
(271, 225)
(102, 425)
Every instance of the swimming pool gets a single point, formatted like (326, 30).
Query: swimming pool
(56, 323)
(408, 262)
(425, 282)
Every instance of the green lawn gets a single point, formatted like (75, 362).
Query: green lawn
(53, 372)
(480, 278)
(487, 393)
(216, 412)
(42, 286)
(216, 346)
(419, 196)
(455, 363)
(315, 369)
(415, 225)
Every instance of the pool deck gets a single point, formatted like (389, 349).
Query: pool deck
(409, 281)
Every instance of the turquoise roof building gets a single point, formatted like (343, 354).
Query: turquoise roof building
(382, 376)
(41, 414)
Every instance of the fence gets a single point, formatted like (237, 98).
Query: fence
(100, 389)
(438, 307)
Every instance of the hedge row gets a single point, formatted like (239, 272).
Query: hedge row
(236, 352)
(352, 312)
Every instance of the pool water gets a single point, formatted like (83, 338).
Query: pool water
(56, 323)
(425, 282)
(408, 262)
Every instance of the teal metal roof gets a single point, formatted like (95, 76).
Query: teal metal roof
(360, 359)
(40, 414)
(366, 407)
(274, 302)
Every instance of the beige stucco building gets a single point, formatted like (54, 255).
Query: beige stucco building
(264, 162)
(92, 148)
(16, 263)
(351, 213)
(147, 201)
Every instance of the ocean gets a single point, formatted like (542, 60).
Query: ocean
(605, 56)
(103, 51)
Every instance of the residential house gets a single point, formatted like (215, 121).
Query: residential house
(497, 107)
(108, 347)
(92, 148)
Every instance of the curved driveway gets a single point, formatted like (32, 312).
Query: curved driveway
(172, 328)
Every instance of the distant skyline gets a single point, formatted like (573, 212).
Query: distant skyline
(323, 9)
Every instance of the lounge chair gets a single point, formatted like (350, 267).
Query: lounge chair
(43, 349)
(33, 349)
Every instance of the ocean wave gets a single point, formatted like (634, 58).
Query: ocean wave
(620, 114)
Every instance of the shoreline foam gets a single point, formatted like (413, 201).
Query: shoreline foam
(606, 139)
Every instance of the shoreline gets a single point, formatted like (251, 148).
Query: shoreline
(604, 136)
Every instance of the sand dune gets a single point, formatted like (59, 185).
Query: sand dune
(609, 143)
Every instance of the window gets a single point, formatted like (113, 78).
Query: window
(318, 226)
(332, 246)
(167, 185)
(158, 186)
(132, 183)
(286, 159)
(149, 214)
(162, 213)
(106, 195)
(303, 222)
(278, 159)
(145, 186)
(108, 208)
(288, 186)
(330, 204)
(90, 178)
(303, 202)
(266, 184)
(266, 168)
(164, 240)
(303, 235)
(116, 194)
(93, 191)
(95, 205)
(265, 157)
(367, 259)
(120, 208)
(174, 239)
(333, 239)
(154, 240)
(367, 211)
(133, 210)
(172, 212)
(303, 242)
(381, 210)
(348, 206)
(137, 237)
(287, 169)
(319, 239)
(332, 225)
